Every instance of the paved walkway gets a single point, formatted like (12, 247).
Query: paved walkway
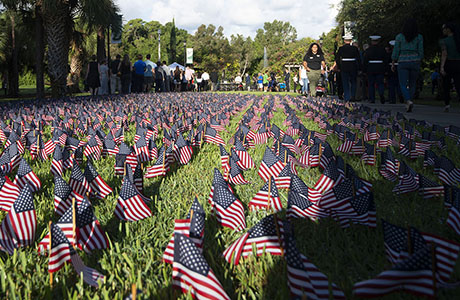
(432, 114)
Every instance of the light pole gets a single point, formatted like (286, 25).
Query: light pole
(185, 53)
(159, 45)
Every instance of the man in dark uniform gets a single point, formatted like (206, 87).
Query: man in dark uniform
(392, 78)
(374, 63)
(348, 63)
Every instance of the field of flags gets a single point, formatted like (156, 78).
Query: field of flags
(225, 196)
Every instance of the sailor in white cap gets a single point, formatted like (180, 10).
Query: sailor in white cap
(375, 60)
(392, 77)
(348, 63)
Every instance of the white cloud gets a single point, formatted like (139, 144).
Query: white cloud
(309, 17)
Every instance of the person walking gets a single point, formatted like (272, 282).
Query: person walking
(177, 79)
(104, 78)
(125, 73)
(348, 63)
(159, 78)
(265, 81)
(374, 62)
(408, 52)
(92, 76)
(287, 79)
(392, 77)
(314, 63)
(148, 74)
(450, 61)
(205, 77)
(115, 83)
(167, 78)
(303, 78)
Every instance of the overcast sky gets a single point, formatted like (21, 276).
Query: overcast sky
(309, 17)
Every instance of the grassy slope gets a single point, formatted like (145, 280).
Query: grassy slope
(346, 256)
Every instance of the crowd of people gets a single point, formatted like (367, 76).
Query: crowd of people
(123, 77)
(356, 74)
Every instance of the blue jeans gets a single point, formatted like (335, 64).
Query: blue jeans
(305, 85)
(407, 73)
(375, 79)
(349, 85)
(393, 88)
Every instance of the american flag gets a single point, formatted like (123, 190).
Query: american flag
(90, 234)
(261, 136)
(450, 194)
(90, 276)
(370, 154)
(211, 136)
(218, 179)
(99, 188)
(338, 198)
(5, 162)
(65, 222)
(330, 177)
(141, 150)
(191, 272)
(327, 156)
(265, 235)
(182, 150)
(289, 142)
(25, 176)
(300, 206)
(362, 211)
(228, 209)
(63, 195)
(215, 125)
(389, 165)
(60, 249)
(130, 206)
(109, 146)
(453, 220)
(447, 172)
(78, 181)
(138, 178)
(311, 156)
(92, 149)
(408, 180)
(21, 221)
(430, 158)
(304, 278)
(371, 134)
(9, 192)
(283, 180)
(153, 150)
(270, 165)
(161, 166)
(224, 159)
(57, 164)
(267, 197)
(413, 275)
(235, 174)
(385, 139)
(246, 161)
(346, 146)
(428, 188)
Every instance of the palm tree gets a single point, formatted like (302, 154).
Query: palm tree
(58, 19)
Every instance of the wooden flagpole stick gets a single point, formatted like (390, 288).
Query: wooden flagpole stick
(202, 136)
(49, 254)
(124, 168)
(375, 151)
(164, 158)
(133, 291)
(320, 153)
(275, 217)
(433, 266)
(285, 157)
(191, 215)
(228, 173)
(269, 191)
(74, 223)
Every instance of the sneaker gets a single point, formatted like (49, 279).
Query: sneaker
(446, 108)
(410, 105)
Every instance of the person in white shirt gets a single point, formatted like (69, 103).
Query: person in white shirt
(303, 79)
(205, 77)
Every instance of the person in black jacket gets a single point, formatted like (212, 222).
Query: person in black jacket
(348, 63)
(375, 60)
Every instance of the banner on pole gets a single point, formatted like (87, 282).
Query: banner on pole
(116, 26)
(189, 55)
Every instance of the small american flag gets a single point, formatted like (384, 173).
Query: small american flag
(9, 192)
(211, 136)
(141, 150)
(330, 177)
(246, 161)
(453, 220)
(90, 276)
(191, 272)
(57, 164)
(228, 209)
(26, 176)
(218, 179)
(428, 188)
(270, 165)
(92, 149)
(235, 174)
(60, 249)
(224, 159)
(408, 180)
(130, 206)
(161, 166)
(389, 165)
(267, 197)
(78, 181)
(447, 172)
(99, 188)
(63, 195)
(65, 222)
(90, 234)
(265, 235)
(430, 159)
(182, 150)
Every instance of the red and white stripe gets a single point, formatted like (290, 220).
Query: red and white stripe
(265, 172)
(232, 217)
(132, 209)
(9, 192)
(262, 200)
(91, 237)
(99, 188)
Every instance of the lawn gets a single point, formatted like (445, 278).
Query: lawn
(346, 256)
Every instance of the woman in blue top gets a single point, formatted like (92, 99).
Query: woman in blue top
(408, 52)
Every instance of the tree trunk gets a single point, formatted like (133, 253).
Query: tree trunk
(100, 44)
(76, 67)
(39, 53)
(56, 27)
(14, 74)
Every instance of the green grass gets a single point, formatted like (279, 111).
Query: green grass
(135, 255)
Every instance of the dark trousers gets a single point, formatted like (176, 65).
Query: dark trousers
(159, 85)
(167, 84)
(138, 83)
(125, 82)
(375, 79)
(349, 85)
(394, 89)
(452, 68)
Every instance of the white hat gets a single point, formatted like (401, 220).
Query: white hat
(392, 42)
(375, 37)
(347, 37)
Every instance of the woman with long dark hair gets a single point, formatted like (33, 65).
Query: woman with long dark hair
(450, 61)
(408, 52)
(92, 76)
(125, 70)
(313, 61)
